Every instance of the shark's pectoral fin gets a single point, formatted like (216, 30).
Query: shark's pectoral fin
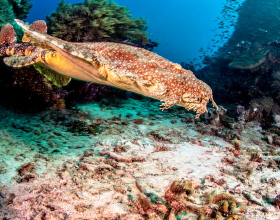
(20, 61)
(53, 76)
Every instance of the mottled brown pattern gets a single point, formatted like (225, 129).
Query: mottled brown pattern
(164, 80)
(123, 66)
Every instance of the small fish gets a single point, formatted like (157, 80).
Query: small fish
(263, 30)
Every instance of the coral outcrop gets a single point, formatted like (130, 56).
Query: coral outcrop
(96, 20)
(25, 87)
(22, 87)
(246, 67)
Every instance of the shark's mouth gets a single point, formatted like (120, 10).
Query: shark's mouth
(196, 102)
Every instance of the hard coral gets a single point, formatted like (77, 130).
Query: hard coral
(96, 20)
(92, 91)
(29, 89)
(208, 206)
(246, 67)
(213, 115)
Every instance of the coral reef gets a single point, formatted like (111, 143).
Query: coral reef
(11, 9)
(20, 86)
(96, 20)
(91, 91)
(181, 199)
(246, 67)
(24, 88)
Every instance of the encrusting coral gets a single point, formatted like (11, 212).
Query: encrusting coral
(96, 20)
(181, 199)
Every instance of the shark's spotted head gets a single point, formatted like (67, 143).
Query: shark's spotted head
(197, 98)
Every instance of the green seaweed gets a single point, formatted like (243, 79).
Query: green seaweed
(96, 20)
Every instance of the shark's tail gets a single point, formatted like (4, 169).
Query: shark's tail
(36, 33)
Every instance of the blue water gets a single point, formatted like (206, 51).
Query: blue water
(181, 27)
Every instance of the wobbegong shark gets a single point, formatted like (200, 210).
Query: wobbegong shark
(114, 64)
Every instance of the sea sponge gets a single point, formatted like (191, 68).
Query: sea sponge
(7, 35)
(11, 9)
(39, 26)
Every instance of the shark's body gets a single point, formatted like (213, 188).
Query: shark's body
(114, 64)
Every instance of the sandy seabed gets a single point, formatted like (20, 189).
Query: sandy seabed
(131, 161)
